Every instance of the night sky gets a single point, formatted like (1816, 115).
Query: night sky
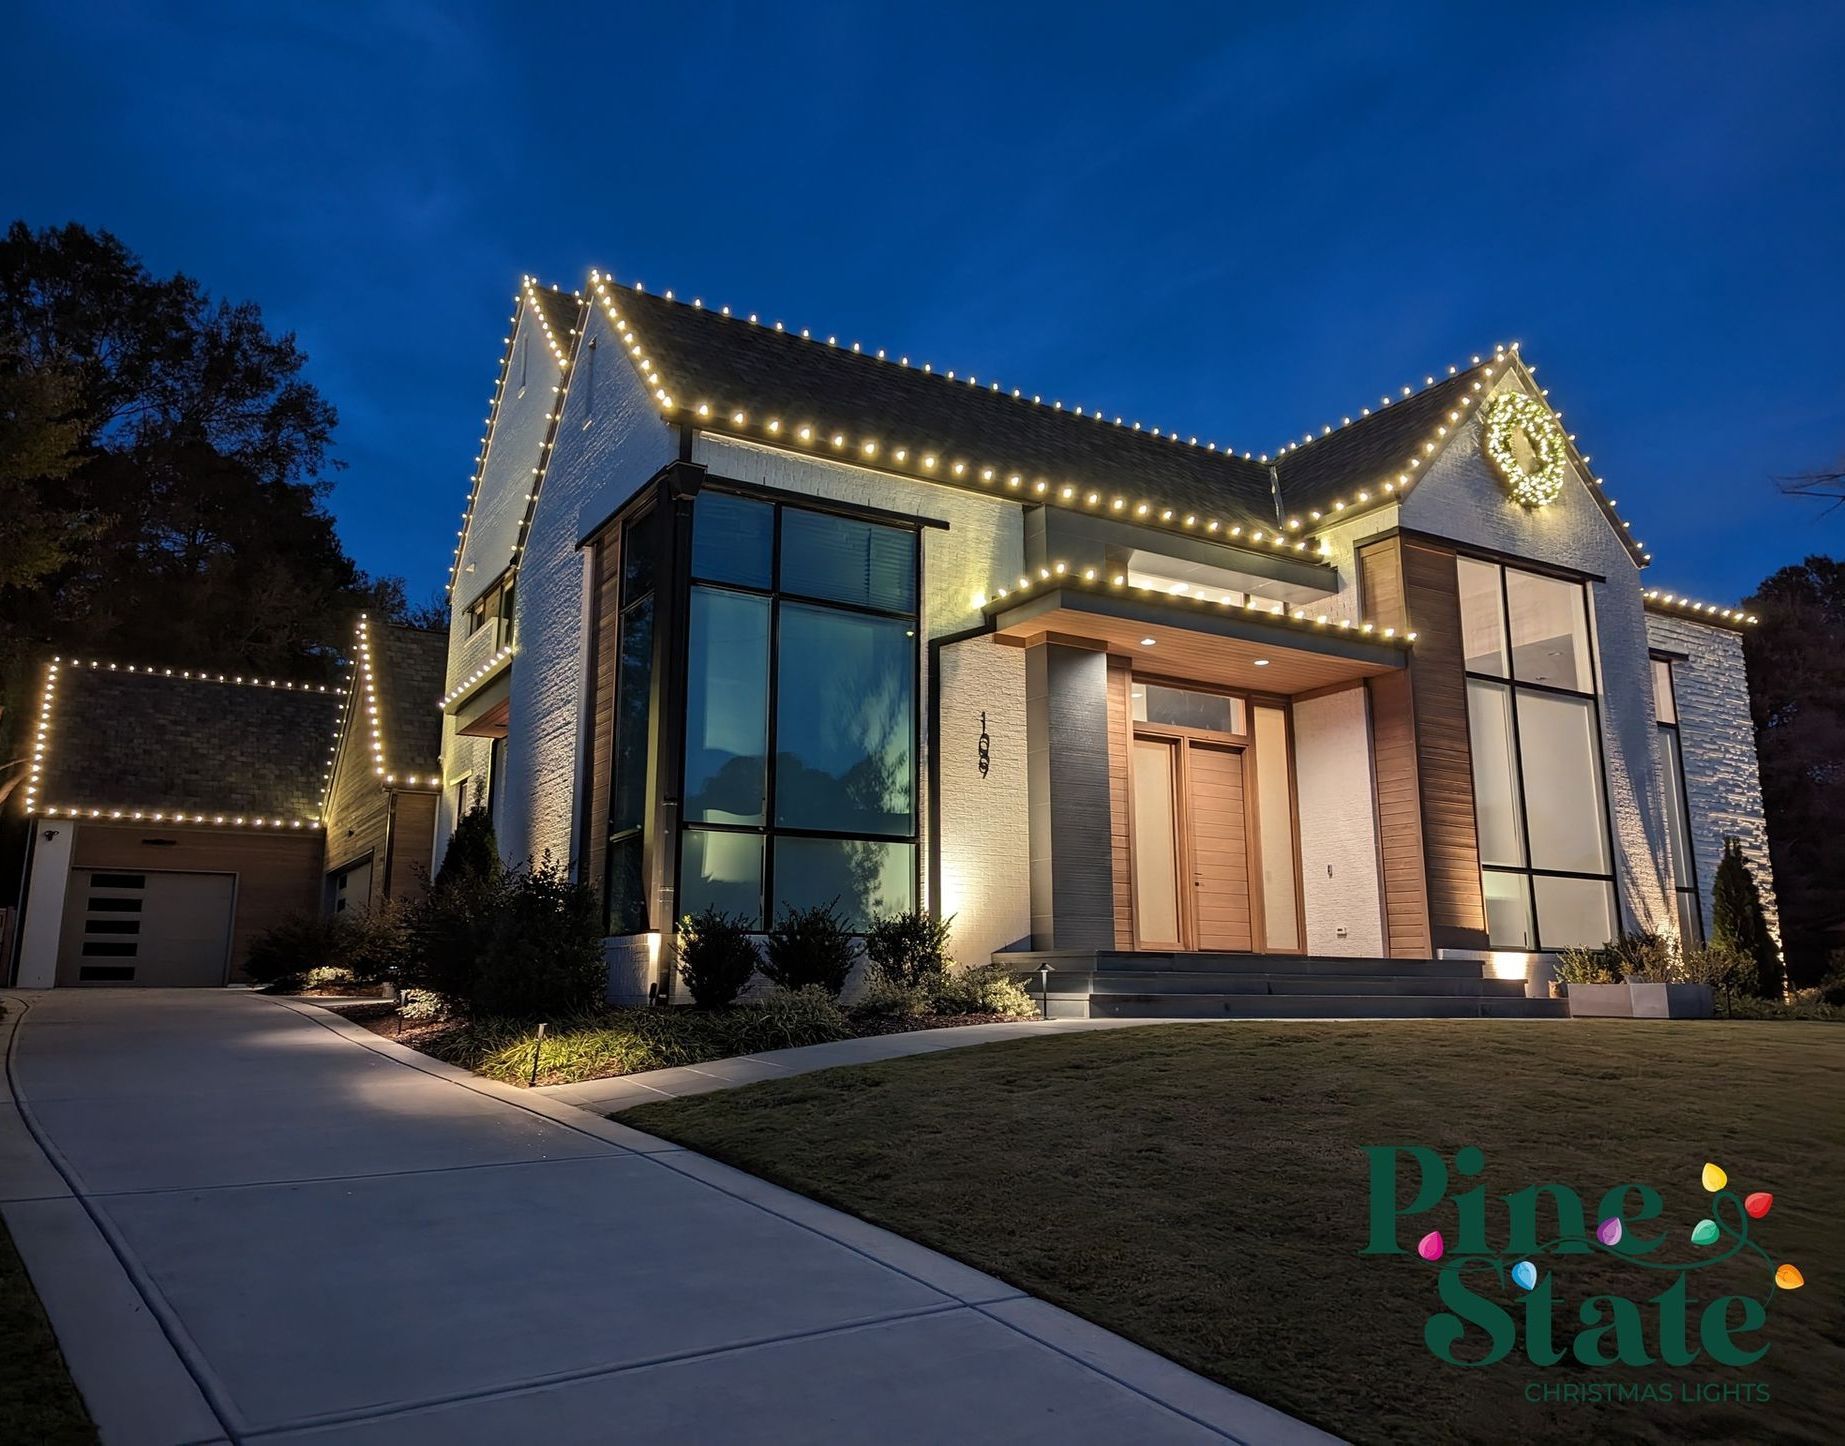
(1237, 221)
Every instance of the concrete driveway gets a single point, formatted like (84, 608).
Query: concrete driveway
(252, 1221)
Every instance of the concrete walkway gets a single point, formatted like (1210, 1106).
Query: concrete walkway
(624, 1092)
(255, 1222)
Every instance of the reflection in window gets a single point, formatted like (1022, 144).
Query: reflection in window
(845, 721)
(800, 782)
(1533, 727)
(727, 708)
(862, 877)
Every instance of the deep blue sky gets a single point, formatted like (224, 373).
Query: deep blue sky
(1235, 220)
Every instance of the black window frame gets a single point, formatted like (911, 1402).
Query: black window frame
(641, 524)
(769, 831)
(1513, 686)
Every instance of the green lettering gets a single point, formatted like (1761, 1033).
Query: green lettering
(1444, 1330)
(1623, 1322)
(1431, 1184)
(1718, 1335)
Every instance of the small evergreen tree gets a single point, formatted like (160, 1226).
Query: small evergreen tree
(473, 852)
(1739, 921)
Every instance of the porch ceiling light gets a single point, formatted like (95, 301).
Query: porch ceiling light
(1148, 642)
(1260, 662)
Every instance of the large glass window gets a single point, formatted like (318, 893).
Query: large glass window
(800, 770)
(1534, 727)
(1690, 907)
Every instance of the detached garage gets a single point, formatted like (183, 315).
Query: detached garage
(175, 815)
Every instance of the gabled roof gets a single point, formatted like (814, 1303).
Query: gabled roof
(157, 743)
(557, 314)
(400, 670)
(728, 375)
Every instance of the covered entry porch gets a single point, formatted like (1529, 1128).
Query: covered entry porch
(1200, 770)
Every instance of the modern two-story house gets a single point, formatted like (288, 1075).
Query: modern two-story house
(752, 618)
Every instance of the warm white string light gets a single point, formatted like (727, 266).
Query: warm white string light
(1667, 602)
(488, 665)
(927, 463)
(1062, 574)
(42, 740)
(1394, 484)
(367, 683)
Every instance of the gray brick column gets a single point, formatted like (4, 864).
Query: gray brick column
(1066, 726)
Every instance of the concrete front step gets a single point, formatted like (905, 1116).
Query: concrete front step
(1107, 961)
(1124, 982)
(1302, 1006)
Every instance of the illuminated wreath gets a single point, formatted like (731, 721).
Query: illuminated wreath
(1540, 482)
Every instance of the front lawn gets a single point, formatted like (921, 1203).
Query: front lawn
(1203, 1189)
(38, 1403)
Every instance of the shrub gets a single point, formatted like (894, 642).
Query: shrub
(910, 948)
(792, 1017)
(810, 946)
(543, 955)
(716, 957)
(1642, 957)
(281, 956)
(328, 976)
(1738, 919)
(377, 942)
(1585, 966)
(983, 989)
(1722, 966)
(422, 1004)
(1831, 989)
(451, 931)
(889, 998)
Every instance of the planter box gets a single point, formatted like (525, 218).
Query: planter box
(1600, 1001)
(1671, 1001)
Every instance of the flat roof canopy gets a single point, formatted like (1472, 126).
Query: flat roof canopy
(1229, 645)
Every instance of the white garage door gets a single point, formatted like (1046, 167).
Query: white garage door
(122, 927)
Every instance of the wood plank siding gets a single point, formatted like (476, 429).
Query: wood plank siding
(1428, 838)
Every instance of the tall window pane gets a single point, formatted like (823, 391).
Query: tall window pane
(1562, 776)
(1574, 913)
(865, 877)
(1482, 617)
(721, 871)
(1275, 819)
(727, 708)
(845, 721)
(1495, 784)
(733, 539)
(848, 561)
(627, 894)
(640, 544)
(1508, 910)
(1665, 705)
(1678, 837)
(633, 690)
(1550, 632)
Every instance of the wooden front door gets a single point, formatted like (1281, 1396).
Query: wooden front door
(1190, 844)
(1217, 830)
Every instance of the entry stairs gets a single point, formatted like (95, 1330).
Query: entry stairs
(1110, 984)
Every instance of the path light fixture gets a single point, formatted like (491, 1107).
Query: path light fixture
(1044, 987)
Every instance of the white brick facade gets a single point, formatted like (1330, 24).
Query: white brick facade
(1723, 785)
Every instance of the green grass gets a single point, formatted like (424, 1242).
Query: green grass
(1202, 1189)
(38, 1403)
